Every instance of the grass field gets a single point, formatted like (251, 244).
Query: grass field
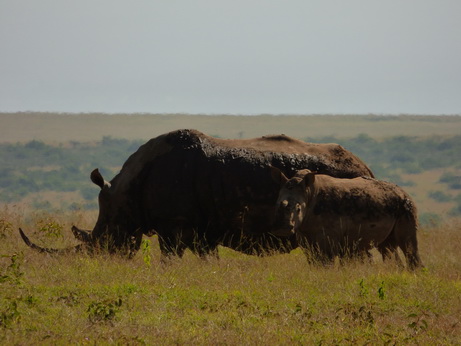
(236, 300)
(20, 127)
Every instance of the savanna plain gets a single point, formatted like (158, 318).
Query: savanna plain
(236, 299)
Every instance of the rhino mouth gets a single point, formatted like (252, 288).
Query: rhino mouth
(83, 236)
(283, 231)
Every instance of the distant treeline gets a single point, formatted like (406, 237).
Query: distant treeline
(403, 154)
(37, 167)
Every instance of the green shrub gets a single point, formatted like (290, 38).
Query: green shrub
(103, 311)
(49, 228)
(13, 272)
(6, 228)
(9, 315)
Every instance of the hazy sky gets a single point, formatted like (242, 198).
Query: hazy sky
(233, 56)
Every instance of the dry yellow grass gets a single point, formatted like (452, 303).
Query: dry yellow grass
(22, 127)
(236, 300)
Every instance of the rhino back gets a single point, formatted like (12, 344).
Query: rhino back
(345, 197)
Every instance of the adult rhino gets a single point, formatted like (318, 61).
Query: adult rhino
(195, 191)
(346, 217)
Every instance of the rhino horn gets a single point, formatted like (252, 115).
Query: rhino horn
(77, 248)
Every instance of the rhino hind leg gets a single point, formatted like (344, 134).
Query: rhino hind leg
(388, 249)
(171, 247)
(135, 243)
(202, 243)
(181, 238)
(410, 249)
(405, 235)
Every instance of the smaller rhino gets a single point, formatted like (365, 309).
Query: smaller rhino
(346, 217)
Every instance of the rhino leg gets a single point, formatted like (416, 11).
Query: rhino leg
(328, 249)
(206, 252)
(202, 246)
(353, 250)
(238, 242)
(181, 237)
(316, 252)
(388, 249)
(135, 243)
(409, 247)
(405, 236)
(170, 247)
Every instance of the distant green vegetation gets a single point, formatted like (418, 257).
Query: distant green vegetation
(407, 154)
(37, 167)
(453, 181)
(440, 196)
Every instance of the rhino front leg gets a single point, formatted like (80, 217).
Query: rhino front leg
(169, 248)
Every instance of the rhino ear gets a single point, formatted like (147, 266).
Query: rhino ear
(97, 178)
(278, 176)
(309, 178)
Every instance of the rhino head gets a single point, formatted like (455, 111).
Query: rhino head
(116, 230)
(293, 200)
